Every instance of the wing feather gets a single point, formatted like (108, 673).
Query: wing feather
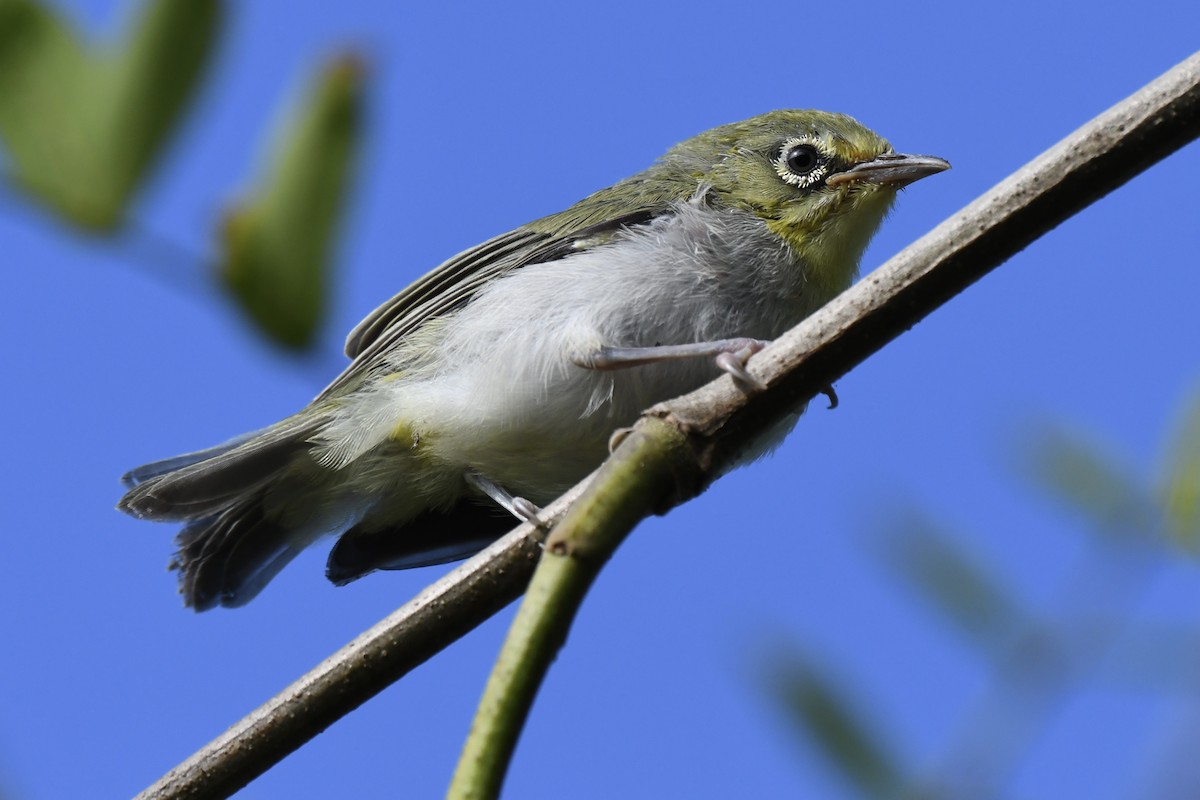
(444, 287)
(451, 285)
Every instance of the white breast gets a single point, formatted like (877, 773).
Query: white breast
(494, 385)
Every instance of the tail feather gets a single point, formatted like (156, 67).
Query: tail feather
(248, 511)
(227, 559)
(202, 484)
(157, 468)
(433, 537)
(230, 547)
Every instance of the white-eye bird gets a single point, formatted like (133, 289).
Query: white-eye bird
(493, 383)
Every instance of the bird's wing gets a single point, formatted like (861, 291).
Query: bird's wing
(453, 284)
(444, 289)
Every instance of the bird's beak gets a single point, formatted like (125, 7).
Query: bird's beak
(890, 169)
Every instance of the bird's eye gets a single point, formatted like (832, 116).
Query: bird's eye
(801, 163)
(802, 159)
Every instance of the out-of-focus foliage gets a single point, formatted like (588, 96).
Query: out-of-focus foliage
(82, 125)
(960, 586)
(1036, 657)
(1180, 483)
(277, 244)
(1080, 475)
(841, 732)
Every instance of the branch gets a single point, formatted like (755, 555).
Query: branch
(406, 638)
(719, 419)
(635, 481)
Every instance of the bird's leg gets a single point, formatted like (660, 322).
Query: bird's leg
(730, 355)
(519, 507)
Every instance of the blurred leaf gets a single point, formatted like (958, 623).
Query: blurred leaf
(1155, 656)
(1181, 483)
(82, 128)
(148, 83)
(954, 583)
(45, 83)
(1079, 475)
(278, 244)
(840, 732)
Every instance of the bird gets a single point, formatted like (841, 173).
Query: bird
(492, 384)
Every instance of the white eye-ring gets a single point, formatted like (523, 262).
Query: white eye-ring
(801, 162)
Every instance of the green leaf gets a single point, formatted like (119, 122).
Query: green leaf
(278, 244)
(956, 584)
(45, 83)
(1077, 473)
(1181, 483)
(147, 85)
(819, 710)
(82, 127)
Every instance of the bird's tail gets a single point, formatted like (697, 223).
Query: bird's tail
(230, 547)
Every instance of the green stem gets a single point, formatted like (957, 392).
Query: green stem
(640, 478)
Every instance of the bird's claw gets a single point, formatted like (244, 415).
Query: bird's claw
(734, 362)
(527, 512)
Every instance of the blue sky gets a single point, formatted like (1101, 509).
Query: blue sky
(484, 116)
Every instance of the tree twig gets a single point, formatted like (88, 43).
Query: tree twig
(719, 420)
(409, 636)
(636, 484)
